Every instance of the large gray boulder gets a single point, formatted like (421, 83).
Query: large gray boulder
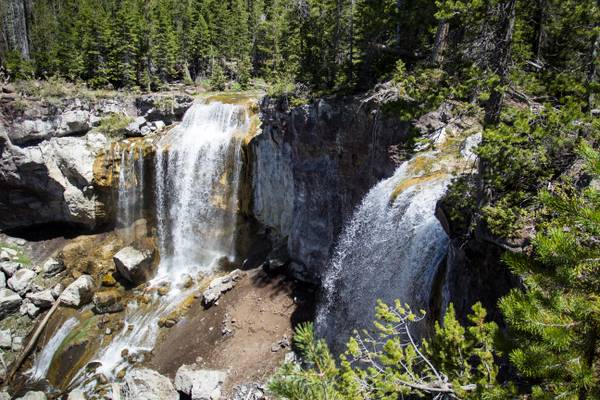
(79, 292)
(21, 281)
(199, 384)
(135, 265)
(33, 396)
(9, 267)
(148, 385)
(9, 302)
(49, 182)
(134, 128)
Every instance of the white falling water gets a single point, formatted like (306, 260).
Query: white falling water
(130, 203)
(197, 178)
(390, 249)
(42, 362)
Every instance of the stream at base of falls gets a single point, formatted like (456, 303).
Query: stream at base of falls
(393, 244)
(196, 177)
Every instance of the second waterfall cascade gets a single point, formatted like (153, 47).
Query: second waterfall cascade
(393, 244)
(196, 177)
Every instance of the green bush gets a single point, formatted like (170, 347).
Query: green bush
(114, 125)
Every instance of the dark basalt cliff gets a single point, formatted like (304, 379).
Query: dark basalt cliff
(311, 166)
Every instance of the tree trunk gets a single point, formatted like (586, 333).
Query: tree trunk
(540, 28)
(441, 42)
(593, 70)
(502, 60)
(14, 27)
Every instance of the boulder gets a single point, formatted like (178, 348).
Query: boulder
(134, 265)
(9, 267)
(21, 281)
(17, 343)
(74, 122)
(49, 182)
(52, 267)
(33, 396)
(57, 290)
(43, 299)
(159, 125)
(199, 384)
(4, 256)
(5, 395)
(30, 309)
(148, 385)
(77, 394)
(79, 292)
(2, 280)
(107, 301)
(163, 107)
(9, 302)
(134, 128)
(5, 339)
(220, 285)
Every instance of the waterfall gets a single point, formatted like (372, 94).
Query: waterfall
(392, 246)
(197, 177)
(42, 362)
(130, 202)
(197, 171)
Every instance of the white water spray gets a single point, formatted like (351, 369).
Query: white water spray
(391, 247)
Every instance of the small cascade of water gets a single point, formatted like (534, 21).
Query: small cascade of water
(130, 204)
(391, 247)
(42, 362)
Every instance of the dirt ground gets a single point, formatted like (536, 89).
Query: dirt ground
(260, 313)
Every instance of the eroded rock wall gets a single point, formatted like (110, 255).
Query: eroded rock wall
(311, 167)
(54, 166)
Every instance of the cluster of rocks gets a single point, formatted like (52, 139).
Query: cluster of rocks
(142, 127)
(219, 286)
(193, 383)
(20, 289)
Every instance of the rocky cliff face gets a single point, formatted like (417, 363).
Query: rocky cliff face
(311, 165)
(52, 155)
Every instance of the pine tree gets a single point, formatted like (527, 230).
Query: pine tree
(125, 44)
(555, 321)
(390, 363)
(164, 46)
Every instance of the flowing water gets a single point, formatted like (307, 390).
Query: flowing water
(197, 168)
(393, 244)
(42, 362)
(130, 201)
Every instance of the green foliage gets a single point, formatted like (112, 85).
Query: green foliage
(218, 80)
(555, 322)
(521, 154)
(456, 362)
(16, 66)
(21, 257)
(114, 125)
